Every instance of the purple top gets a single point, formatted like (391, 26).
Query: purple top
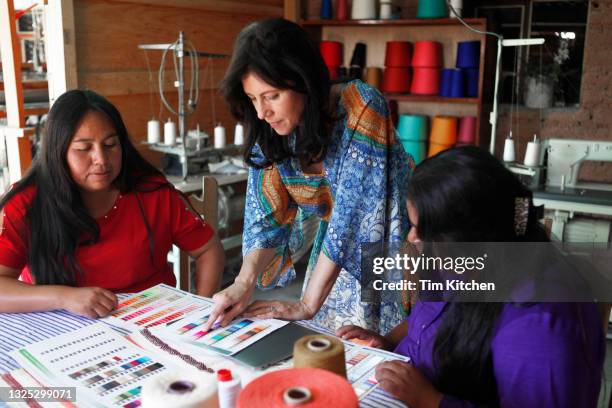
(544, 355)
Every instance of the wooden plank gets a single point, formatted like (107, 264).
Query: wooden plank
(18, 148)
(108, 33)
(260, 7)
(141, 81)
(29, 85)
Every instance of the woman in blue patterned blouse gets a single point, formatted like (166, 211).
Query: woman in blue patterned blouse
(313, 151)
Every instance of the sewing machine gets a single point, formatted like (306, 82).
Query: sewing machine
(564, 195)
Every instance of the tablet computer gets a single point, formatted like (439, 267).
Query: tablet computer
(273, 348)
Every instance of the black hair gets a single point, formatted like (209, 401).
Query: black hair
(282, 54)
(467, 195)
(57, 219)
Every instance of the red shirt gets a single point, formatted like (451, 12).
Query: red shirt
(120, 261)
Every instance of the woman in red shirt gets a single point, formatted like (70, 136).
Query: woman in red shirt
(92, 218)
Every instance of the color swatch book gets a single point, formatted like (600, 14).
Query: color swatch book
(361, 362)
(106, 369)
(158, 305)
(229, 340)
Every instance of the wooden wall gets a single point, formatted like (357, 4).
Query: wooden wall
(108, 33)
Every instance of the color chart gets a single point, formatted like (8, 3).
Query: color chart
(161, 304)
(106, 369)
(361, 363)
(229, 340)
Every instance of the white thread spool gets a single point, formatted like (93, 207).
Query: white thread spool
(229, 388)
(153, 131)
(532, 155)
(363, 10)
(239, 134)
(219, 134)
(170, 133)
(175, 389)
(386, 9)
(509, 155)
(458, 6)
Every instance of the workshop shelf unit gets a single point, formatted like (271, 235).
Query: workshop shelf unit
(375, 34)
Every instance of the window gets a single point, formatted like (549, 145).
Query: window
(558, 62)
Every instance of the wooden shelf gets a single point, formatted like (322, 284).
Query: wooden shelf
(376, 33)
(42, 84)
(429, 98)
(31, 109)
(391, 23)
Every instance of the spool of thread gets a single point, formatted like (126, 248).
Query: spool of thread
(363, 10)
(326, 9)
(373, 76)
(471, 82)
(153, 131)
(435, 148)
(355, 72)
(386, 10)
(468, 54)
(426, 81)
(320, 351)
(509, 153)
(219, 136)
(427, 54)
(336, 72)
(331, 51)
(443, 130)
(398, 54)
(396, 80)
(169, 133)
(412, 127)
(229, 388)
(181, 391)
(457, 5)
(445, 82)
(432, 9)
(239, 134)
(457, 89)
(342, 10)
(418, 150)
(359, 55)
(532, 154)
(295, 387)
(467, 131)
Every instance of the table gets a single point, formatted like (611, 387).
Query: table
(20, 329)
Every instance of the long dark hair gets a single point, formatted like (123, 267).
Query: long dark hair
(466, 195)
(281, 53)
(58, 220)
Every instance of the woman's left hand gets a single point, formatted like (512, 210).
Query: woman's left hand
(277, 309)
(406, 383)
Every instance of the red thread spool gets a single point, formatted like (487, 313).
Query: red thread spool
(467, 131)
(426, 81)
(398, 54)
(295, 387)
(396, 80)
(427, 54)
(331, 51)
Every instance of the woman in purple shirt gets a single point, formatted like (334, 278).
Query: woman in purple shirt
(486, 354)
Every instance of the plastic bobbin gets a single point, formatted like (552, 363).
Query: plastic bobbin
(297, 395)
(318, 344)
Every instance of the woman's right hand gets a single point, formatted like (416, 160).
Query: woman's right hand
(91, 302)
(229, 303)
(372, 338)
